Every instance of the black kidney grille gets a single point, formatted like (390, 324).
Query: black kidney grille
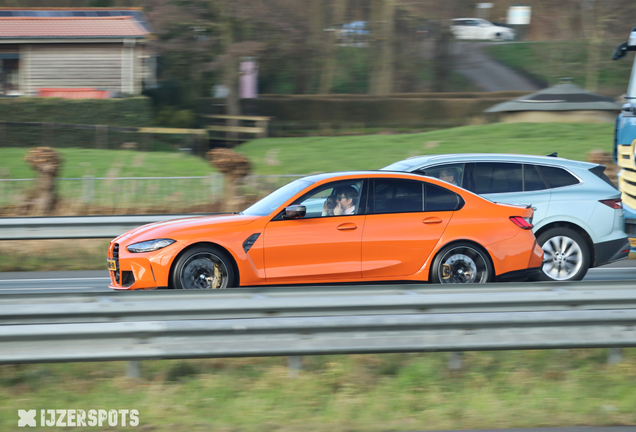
(116, 258)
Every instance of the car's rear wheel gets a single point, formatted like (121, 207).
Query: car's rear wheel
(565, 255)
(203, 267)
(462, 263)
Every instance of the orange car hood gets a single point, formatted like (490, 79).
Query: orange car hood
(172, 228)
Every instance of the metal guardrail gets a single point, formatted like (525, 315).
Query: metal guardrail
(40, 228)
(307, 321)
(243, 303)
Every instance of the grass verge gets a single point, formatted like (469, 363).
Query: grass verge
(508, 389)
(53, 255)
(78, 162)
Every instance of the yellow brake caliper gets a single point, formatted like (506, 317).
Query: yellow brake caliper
(216, 281)
(446, 271)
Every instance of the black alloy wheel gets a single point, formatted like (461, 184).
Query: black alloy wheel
(203, 267)
(462, 263)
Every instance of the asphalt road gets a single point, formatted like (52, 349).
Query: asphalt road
(85, 281)
(485, 72)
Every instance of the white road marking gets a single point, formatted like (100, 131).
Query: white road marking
(613, 268)
(52, 280)
(41, 288)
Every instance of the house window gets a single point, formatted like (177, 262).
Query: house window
(9, 74)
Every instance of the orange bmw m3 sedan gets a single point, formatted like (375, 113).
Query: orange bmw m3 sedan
(362, 226)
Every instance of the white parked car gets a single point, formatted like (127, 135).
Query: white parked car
(477, 28)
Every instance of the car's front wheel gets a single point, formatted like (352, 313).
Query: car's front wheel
(462, 263)
(565, 255)
(203, 267)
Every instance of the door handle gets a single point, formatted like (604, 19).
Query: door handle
(347, 226)
(432, 220)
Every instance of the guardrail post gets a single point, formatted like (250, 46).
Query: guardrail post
(88, 188)
(133, 369)
(614, 355)
(455, 360)
(295, 365)
(3, 134)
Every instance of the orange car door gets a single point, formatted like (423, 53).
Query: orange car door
(317, 248)
(320, 248)
(399, 235)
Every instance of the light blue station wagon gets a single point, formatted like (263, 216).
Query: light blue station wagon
(579, 220)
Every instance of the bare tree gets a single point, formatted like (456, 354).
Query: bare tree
(328, 71)
(597, 15)
(383, 25)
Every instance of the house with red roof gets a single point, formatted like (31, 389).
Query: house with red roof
(71, 52)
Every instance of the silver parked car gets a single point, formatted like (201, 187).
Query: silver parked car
(579, 217)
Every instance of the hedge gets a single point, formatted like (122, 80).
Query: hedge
(338, 111)
(132, 112)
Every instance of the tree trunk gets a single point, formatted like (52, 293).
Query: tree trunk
(381, 81)
(442, 58)
(331, 49)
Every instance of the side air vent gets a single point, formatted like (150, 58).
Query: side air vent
(247, 244)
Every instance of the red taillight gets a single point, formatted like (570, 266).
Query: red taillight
(521, 222)
(613, 203)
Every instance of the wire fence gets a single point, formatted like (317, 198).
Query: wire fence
(126, 195)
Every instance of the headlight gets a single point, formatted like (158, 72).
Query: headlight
(149, 246)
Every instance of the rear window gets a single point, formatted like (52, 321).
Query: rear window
(496, 177)
(557, 177)
(440, 199)
(532, 180)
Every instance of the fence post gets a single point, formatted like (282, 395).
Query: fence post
(262, 124)
(47, 133)
(3, 134)
(88, 188)
(101, 136)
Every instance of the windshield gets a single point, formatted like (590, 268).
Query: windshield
(274, 200)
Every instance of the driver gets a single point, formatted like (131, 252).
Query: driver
(345, 198)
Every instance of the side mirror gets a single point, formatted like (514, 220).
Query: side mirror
(620, 51)
(295, 212)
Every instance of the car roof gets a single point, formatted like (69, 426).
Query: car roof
(346, 174)
(494, 157)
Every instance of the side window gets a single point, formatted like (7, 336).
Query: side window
(557, 177)
(451, 173)
(532, 180)
(440, 199)
(333, 199)
(397, 196)
(496, 177)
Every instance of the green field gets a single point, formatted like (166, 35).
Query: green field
(323, 154)
(388, 392)
(77, 163)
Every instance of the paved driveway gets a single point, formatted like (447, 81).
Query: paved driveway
(487, 74)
